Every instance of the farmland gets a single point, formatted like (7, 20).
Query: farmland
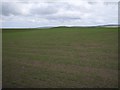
(60, 57)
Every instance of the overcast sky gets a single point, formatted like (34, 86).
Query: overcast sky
(40, 13)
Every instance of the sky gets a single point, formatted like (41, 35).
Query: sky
(45, 13)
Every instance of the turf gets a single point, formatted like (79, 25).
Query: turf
(60, 58)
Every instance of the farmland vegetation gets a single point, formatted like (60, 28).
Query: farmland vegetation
(60, 57)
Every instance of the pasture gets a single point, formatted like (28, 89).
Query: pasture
(60, 58)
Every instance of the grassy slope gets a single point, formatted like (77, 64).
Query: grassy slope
(60, 57)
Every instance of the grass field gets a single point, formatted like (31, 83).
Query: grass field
(60, 58)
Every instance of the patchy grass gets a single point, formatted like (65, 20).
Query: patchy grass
(60, 57)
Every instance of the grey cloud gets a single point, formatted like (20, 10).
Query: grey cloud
(48, 9)
(18, 8)
(10, 9)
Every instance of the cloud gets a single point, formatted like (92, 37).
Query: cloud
(58, 12)
(10, 8)
(43, 9)
(14, 8)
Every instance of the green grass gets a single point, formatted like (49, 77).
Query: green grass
(60, 57)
